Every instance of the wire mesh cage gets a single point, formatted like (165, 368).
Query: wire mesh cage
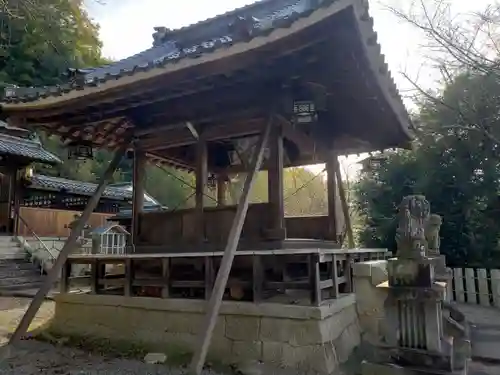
(110, 240)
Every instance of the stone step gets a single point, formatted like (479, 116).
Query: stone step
(15, 263)
(5, 290)
(19, 280)
(9, 246)
(18, 272)
(484, 341)
(13, 255)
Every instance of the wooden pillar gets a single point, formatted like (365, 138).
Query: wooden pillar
(205, 336)
(201, 186)
(345, 207)
(68, 247)
(139, 180)
(17, 201)
(10, 200)
(221, 189)
(275, 185)
(331, 183)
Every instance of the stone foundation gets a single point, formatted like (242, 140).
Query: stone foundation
(370, 299)
(310, 339)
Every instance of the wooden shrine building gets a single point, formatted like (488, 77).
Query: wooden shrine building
(18, 150)
(275, 84)
(51, 192)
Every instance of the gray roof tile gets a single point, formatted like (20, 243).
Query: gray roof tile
(16, 146)
(43, 182)
(190, 41)
(119, 191)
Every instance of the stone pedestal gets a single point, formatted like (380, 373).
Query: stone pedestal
(418, 337)
(443, 274)
(303, 339)
(369, 298)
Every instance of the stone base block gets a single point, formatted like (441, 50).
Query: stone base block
(410, 272)
(312, 340)
(370, 299)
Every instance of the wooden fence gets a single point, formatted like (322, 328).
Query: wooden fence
(478, 286)
(52, 223)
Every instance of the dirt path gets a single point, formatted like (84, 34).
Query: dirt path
(11, 311)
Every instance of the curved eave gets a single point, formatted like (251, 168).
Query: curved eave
(326, 10)
(380, 70)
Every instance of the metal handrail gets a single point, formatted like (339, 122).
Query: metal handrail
(53, 258)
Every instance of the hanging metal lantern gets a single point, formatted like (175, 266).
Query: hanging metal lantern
(304, 112)
(10, 90)
(27, 173)
(80, 151)
(212, 181)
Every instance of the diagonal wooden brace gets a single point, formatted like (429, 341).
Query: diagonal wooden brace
(65, 251)
(215, 302)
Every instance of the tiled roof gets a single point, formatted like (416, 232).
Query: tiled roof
(234, 32)
(119, 191)
(127, 213)
(170, 46)
(43, 182)
(16, 146)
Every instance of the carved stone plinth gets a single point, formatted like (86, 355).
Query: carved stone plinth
(422, 334)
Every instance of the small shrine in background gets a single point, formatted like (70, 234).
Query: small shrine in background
(18, 150)
(423, 333)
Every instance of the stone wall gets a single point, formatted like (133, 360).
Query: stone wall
(310, 339)
(370, 299)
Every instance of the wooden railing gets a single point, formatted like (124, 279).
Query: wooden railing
(43, 246)
(320, 274)
(477, 286)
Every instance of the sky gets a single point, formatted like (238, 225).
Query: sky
(126, 27)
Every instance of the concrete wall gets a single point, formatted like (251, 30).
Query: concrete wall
(310, 339)
(370, 299)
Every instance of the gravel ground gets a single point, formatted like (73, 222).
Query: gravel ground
(32, 357)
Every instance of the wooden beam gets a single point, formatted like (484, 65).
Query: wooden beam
(201, 186)
(183, 137)
(275, 185)
(139, 177)
(17, 201)
(193, 130)
(345, 206)
(331, 184)
(303, 141)
(63, 255)
(227, 259)
(221, 189)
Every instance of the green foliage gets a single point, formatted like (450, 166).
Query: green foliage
(304, 192)
(40, 39)
(455, 163)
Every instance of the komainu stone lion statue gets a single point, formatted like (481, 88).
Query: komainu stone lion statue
(414, 212)
(432, 227)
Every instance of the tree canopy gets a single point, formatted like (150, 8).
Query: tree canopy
(40, 39)
(455, 164)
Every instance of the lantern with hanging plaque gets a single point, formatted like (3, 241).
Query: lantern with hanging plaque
(10, 90)
(212, 181)
(304, 112)
(80, 151)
